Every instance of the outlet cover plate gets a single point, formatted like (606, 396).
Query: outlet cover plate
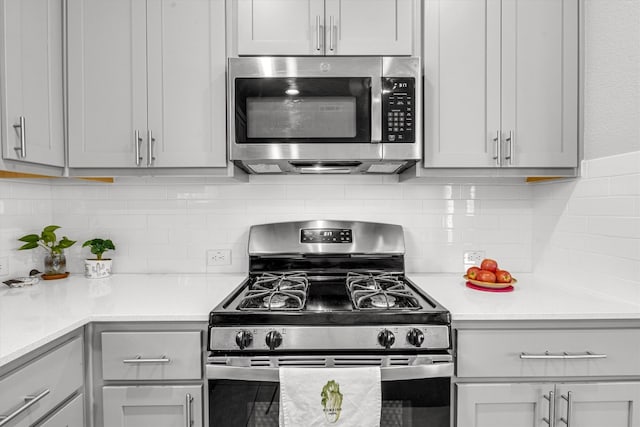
(218, 257)
(472, 258)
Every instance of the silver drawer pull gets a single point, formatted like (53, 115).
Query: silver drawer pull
(569, 400)
(140, 360)
(552, 409)
(23, 138)
(564, 355)
(30, 401)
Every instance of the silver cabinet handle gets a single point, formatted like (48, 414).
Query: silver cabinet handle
(150, 141)
(30, 401)
(569, 400)
(564, 355)
(318, 32)
(552, 409)
(331, 28)
(498, 156)
(140, 360)
(189, 420)
(23, 138)
(510, 141)
(136, 142)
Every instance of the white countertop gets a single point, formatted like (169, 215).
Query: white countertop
(34, 315)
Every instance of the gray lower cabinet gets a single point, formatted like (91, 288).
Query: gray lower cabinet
(33, 391)
(148, 374)
(158, 406)
(528, 376)
(590, 404)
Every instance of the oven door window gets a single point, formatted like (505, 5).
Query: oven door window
(422, 402)
(303, 110)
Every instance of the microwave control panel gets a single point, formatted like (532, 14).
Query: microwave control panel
(398, 96)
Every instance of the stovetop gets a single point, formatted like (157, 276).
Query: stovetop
(355, 298)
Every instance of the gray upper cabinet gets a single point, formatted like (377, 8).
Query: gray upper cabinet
(324, 27)
(31, 89)
(501, 83)
(146, 83)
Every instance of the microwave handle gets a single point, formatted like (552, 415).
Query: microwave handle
(269, 374)
(376, 110)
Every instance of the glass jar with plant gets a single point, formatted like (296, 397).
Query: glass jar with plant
(55, 263)
(98, 267)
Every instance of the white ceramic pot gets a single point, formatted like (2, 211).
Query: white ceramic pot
(96, 269)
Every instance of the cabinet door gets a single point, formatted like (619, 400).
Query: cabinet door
(31, 74)
(107, 82)
(462, 82)
(70, 415)
(186, 80)
(369, 27)
(497, 405)
(599, 404)
(280, 27)
(540, 82)
(161, 406)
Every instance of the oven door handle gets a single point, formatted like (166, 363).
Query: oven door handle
(268, 374)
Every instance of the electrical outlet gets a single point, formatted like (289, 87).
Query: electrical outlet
(4, 266)
(472, 258)
(217, 257)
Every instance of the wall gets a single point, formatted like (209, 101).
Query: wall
(166, 225)
(612, 77)
(589, 229)
(25, 207)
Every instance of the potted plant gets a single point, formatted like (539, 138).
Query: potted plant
(55, 263)
(95, 268)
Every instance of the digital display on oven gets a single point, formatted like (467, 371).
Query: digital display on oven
(326, 235)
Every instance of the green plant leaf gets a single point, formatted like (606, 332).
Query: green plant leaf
(31, 238)
(48, 236)
(30, 245)
(50, 228)
(65, 243)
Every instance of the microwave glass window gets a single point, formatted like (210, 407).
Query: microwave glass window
(303, 109)
(301, 117)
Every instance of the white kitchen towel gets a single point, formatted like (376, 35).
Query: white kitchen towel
(330, 397)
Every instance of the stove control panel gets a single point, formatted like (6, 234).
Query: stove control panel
(326, 235)
(309, 338)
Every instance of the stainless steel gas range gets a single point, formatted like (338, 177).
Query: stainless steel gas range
(328, 294)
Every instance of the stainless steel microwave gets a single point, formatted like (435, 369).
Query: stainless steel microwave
(346, 115)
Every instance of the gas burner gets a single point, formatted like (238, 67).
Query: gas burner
(383, 301)
(276, 291)
(275, 301)
(380, 291)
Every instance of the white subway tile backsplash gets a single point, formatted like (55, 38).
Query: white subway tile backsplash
(378, 192)
(598, 235)
(627, 227)
(626, 185)
(603, 206)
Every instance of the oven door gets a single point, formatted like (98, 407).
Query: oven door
(415, 395)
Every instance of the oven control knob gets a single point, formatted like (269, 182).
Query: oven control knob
(386, 338)
(415, 337)
(273, 339)
(243, 339)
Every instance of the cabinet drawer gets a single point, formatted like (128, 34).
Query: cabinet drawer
(175, 405)
(499, 353)
(151, 355)
(50, 379)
